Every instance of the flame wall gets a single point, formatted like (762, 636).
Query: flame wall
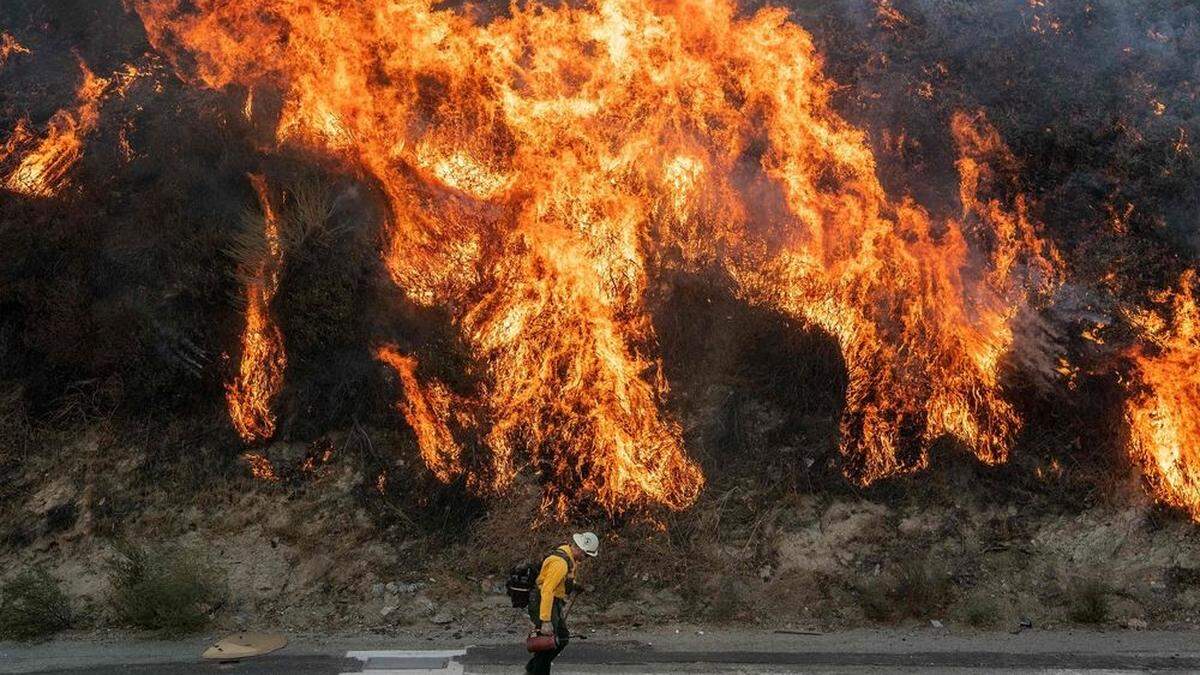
(546, 167)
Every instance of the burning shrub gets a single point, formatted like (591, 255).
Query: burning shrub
(32, 606)
(171, 593)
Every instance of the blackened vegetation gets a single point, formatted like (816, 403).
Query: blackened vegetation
(770, 387)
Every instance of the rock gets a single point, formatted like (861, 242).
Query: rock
(391, 587)
(936, 624)
(407, 588)
(423, 605)
(441, 618)
(765, 573)
(1135, 623)
(388, 611)
(377, 590)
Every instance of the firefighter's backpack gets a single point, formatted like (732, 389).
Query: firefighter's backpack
(522, 579)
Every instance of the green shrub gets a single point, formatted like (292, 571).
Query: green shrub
(169, 593)
(32, 606)
(981, 611)
(1087, 601)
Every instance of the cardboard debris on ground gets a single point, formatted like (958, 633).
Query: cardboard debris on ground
(244, 645)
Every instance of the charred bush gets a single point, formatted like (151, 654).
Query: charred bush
(769, 389)
(326, 289)
(60, 517)
(124, 278)
(398, 491)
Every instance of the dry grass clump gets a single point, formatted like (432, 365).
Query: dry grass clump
(1087, 601)
(915, 588)
(981, 611)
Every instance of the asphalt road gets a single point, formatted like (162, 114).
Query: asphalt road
(606, 659)
(687, 651)
(636, 655)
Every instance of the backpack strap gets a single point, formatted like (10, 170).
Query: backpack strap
(566, 558)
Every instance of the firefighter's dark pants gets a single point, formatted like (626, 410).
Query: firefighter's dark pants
(540, 663)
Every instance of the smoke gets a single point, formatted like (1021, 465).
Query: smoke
(1097, 97)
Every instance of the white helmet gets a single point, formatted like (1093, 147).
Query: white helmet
(588, 541)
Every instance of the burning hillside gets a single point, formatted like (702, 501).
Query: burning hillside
(546, 169)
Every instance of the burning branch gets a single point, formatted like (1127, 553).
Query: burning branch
(263, 359)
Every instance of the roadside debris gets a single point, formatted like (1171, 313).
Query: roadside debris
(244, 645)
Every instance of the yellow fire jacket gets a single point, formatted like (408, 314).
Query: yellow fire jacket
(552, 580)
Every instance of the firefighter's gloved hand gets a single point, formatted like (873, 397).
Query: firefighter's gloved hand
(546, 629)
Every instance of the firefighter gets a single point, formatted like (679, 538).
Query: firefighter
(548, 600)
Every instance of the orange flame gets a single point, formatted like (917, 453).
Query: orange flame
(922, 334)
(260, 372)
(541, 166)
(1164, 410)
(260, 467)
(42, 172)
(427, 410)
(8, 47)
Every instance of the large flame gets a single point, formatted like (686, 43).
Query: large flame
(263, 359)
(543, 165)
(1164, 410)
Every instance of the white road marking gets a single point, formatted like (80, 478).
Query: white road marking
(391, 661)
(406, 654)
